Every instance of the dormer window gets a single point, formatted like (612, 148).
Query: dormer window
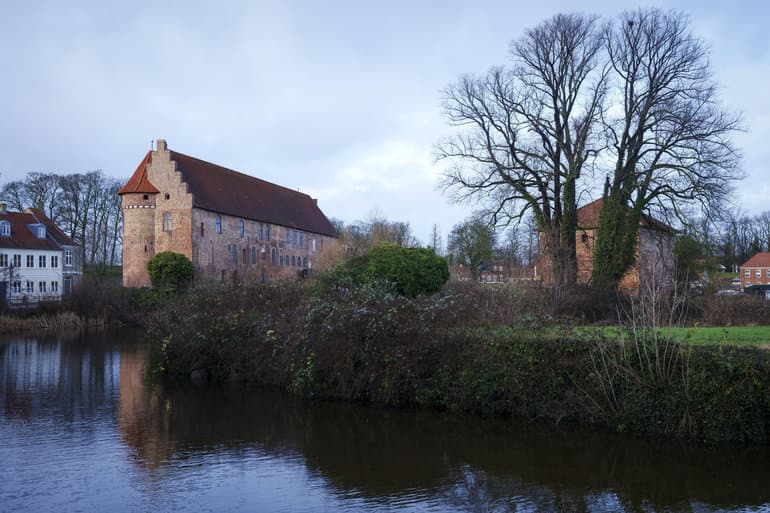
(5, 229)
(38, 230)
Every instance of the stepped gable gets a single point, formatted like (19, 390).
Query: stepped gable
(588, 217)
(139, 181)
(218, 189)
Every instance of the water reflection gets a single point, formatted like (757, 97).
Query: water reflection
(174, 443)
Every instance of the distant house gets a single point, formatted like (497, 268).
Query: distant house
(654, 252)
(229, 224)
(38, 262)
(755, 272)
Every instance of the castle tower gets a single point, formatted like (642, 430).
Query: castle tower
(138, 198)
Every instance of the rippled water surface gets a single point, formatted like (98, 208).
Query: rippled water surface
(83, 429)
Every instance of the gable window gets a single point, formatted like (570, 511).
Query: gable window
(41, 261)
(3, 260)
(68, 257)
(17, 260)
(55, 261)
(166, 221)
(218, 224)
(5, 229)
(30, 260)
(241, 228)
(40, 231)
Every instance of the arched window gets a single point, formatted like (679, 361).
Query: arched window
(218, 224)
(241, 228)
(272, 256)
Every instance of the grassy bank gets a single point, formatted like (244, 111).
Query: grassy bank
(369, 344)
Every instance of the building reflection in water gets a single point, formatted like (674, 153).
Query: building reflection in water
(362, 453)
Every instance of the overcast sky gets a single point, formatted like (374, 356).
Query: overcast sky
(337, 99)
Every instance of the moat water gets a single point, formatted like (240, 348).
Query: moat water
(82, 428)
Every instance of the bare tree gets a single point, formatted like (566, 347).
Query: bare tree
(471, 243)
(671, 140)
(436, 240)
(527, 133)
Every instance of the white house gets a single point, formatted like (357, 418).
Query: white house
(38, 262)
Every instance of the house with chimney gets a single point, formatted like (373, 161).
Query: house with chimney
(654, 264)
(38, 261)
(229, 224)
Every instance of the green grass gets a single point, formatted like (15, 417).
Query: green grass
(751, 336)
(701, 336)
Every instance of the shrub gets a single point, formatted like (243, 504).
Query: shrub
(170, 271)
(413, 271)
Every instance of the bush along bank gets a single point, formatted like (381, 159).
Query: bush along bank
(367, 343)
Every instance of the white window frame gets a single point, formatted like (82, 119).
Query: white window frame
(5, 229)
(68, 257)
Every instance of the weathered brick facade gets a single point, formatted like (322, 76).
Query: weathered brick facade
(654, 266)
(162, 213)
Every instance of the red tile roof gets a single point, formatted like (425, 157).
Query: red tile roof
(139, 181)
(218, 189)
(758, 260)
(22, 236)
(52, 229)
(588, 217)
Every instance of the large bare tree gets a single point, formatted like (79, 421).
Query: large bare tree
(669, 138)
(527, 132)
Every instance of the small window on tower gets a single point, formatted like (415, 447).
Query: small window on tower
(167, 196)
(145, 197)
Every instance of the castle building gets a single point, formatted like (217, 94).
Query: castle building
(38, 262)
(654, 265)
(230, 225)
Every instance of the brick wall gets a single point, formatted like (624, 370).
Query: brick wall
(167, 221)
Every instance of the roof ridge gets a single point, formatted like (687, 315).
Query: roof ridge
(233, 171)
